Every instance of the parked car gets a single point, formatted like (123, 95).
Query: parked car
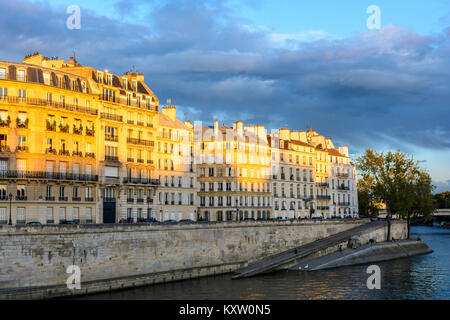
(170, 221)
(202, 220)
(348, 217)
(373, 218)
(127, 220)
(34, 223)
(150, 220)
(249, 219)
(70, 222)
(187, 221)
(262, 219)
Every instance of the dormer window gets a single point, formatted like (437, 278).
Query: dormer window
(124, 83)
(109, 79)
(99, 77)
(134, 84)
(2, 73)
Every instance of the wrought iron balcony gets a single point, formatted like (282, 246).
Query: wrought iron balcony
(323, 197)
(47, 175)
(49, 198)
(141, 142)
(46, 103)
(113, 117)
(131, 180)
(4, 148)
(22, 149)
(322, 185)
(21, 198)
(64, 152)
(111, 158)
(111, 138)
(51, 151)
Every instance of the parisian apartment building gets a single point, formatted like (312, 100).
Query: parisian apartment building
(85, 145)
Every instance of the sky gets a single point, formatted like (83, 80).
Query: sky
(276, 63)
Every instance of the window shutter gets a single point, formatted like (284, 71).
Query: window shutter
(40, 76)
(12, 72)
(54, 79)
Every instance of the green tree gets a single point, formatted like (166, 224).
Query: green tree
(417, 199)
(393, 179)
(367, 204)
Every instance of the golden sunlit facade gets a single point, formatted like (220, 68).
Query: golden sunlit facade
(176, 195)
(87, 145)
(48, 153)
(233, 172)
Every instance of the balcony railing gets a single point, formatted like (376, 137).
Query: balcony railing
(51, 151)
(46, 103)
(323, 197)
(64, 152)
(90, 132)
(22, 149)
(343, 188)
(123, 101)
(63, 198)
(344, 204)
(141, 142)
(342, 175)
(112, 158)
(21, 198)
(141, 181)
(111, 138)
(322, 185)
(89, 155)
(48, 175)
(89, 199)
(109, 116)
(4, 148)
(49, 198)
(77, 154)
(76, 198)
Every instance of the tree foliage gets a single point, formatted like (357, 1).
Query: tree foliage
(443, 200)
(398, 181)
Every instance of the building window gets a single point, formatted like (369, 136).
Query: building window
(20, 75)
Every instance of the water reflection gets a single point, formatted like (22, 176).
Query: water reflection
(423, 277)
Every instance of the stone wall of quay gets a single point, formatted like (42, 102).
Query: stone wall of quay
(33, 260)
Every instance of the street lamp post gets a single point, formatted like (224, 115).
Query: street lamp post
(10, 209)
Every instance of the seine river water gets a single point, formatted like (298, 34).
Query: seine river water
(422, 277)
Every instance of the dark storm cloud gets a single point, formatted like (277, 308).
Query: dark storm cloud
(379, 88)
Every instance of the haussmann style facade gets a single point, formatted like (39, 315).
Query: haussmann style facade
(80, 145)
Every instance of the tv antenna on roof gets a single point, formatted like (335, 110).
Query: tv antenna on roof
(169, 101)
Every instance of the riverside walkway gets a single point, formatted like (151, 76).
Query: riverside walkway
(290, 256)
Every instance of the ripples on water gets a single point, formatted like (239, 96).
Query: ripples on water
(422, 277)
